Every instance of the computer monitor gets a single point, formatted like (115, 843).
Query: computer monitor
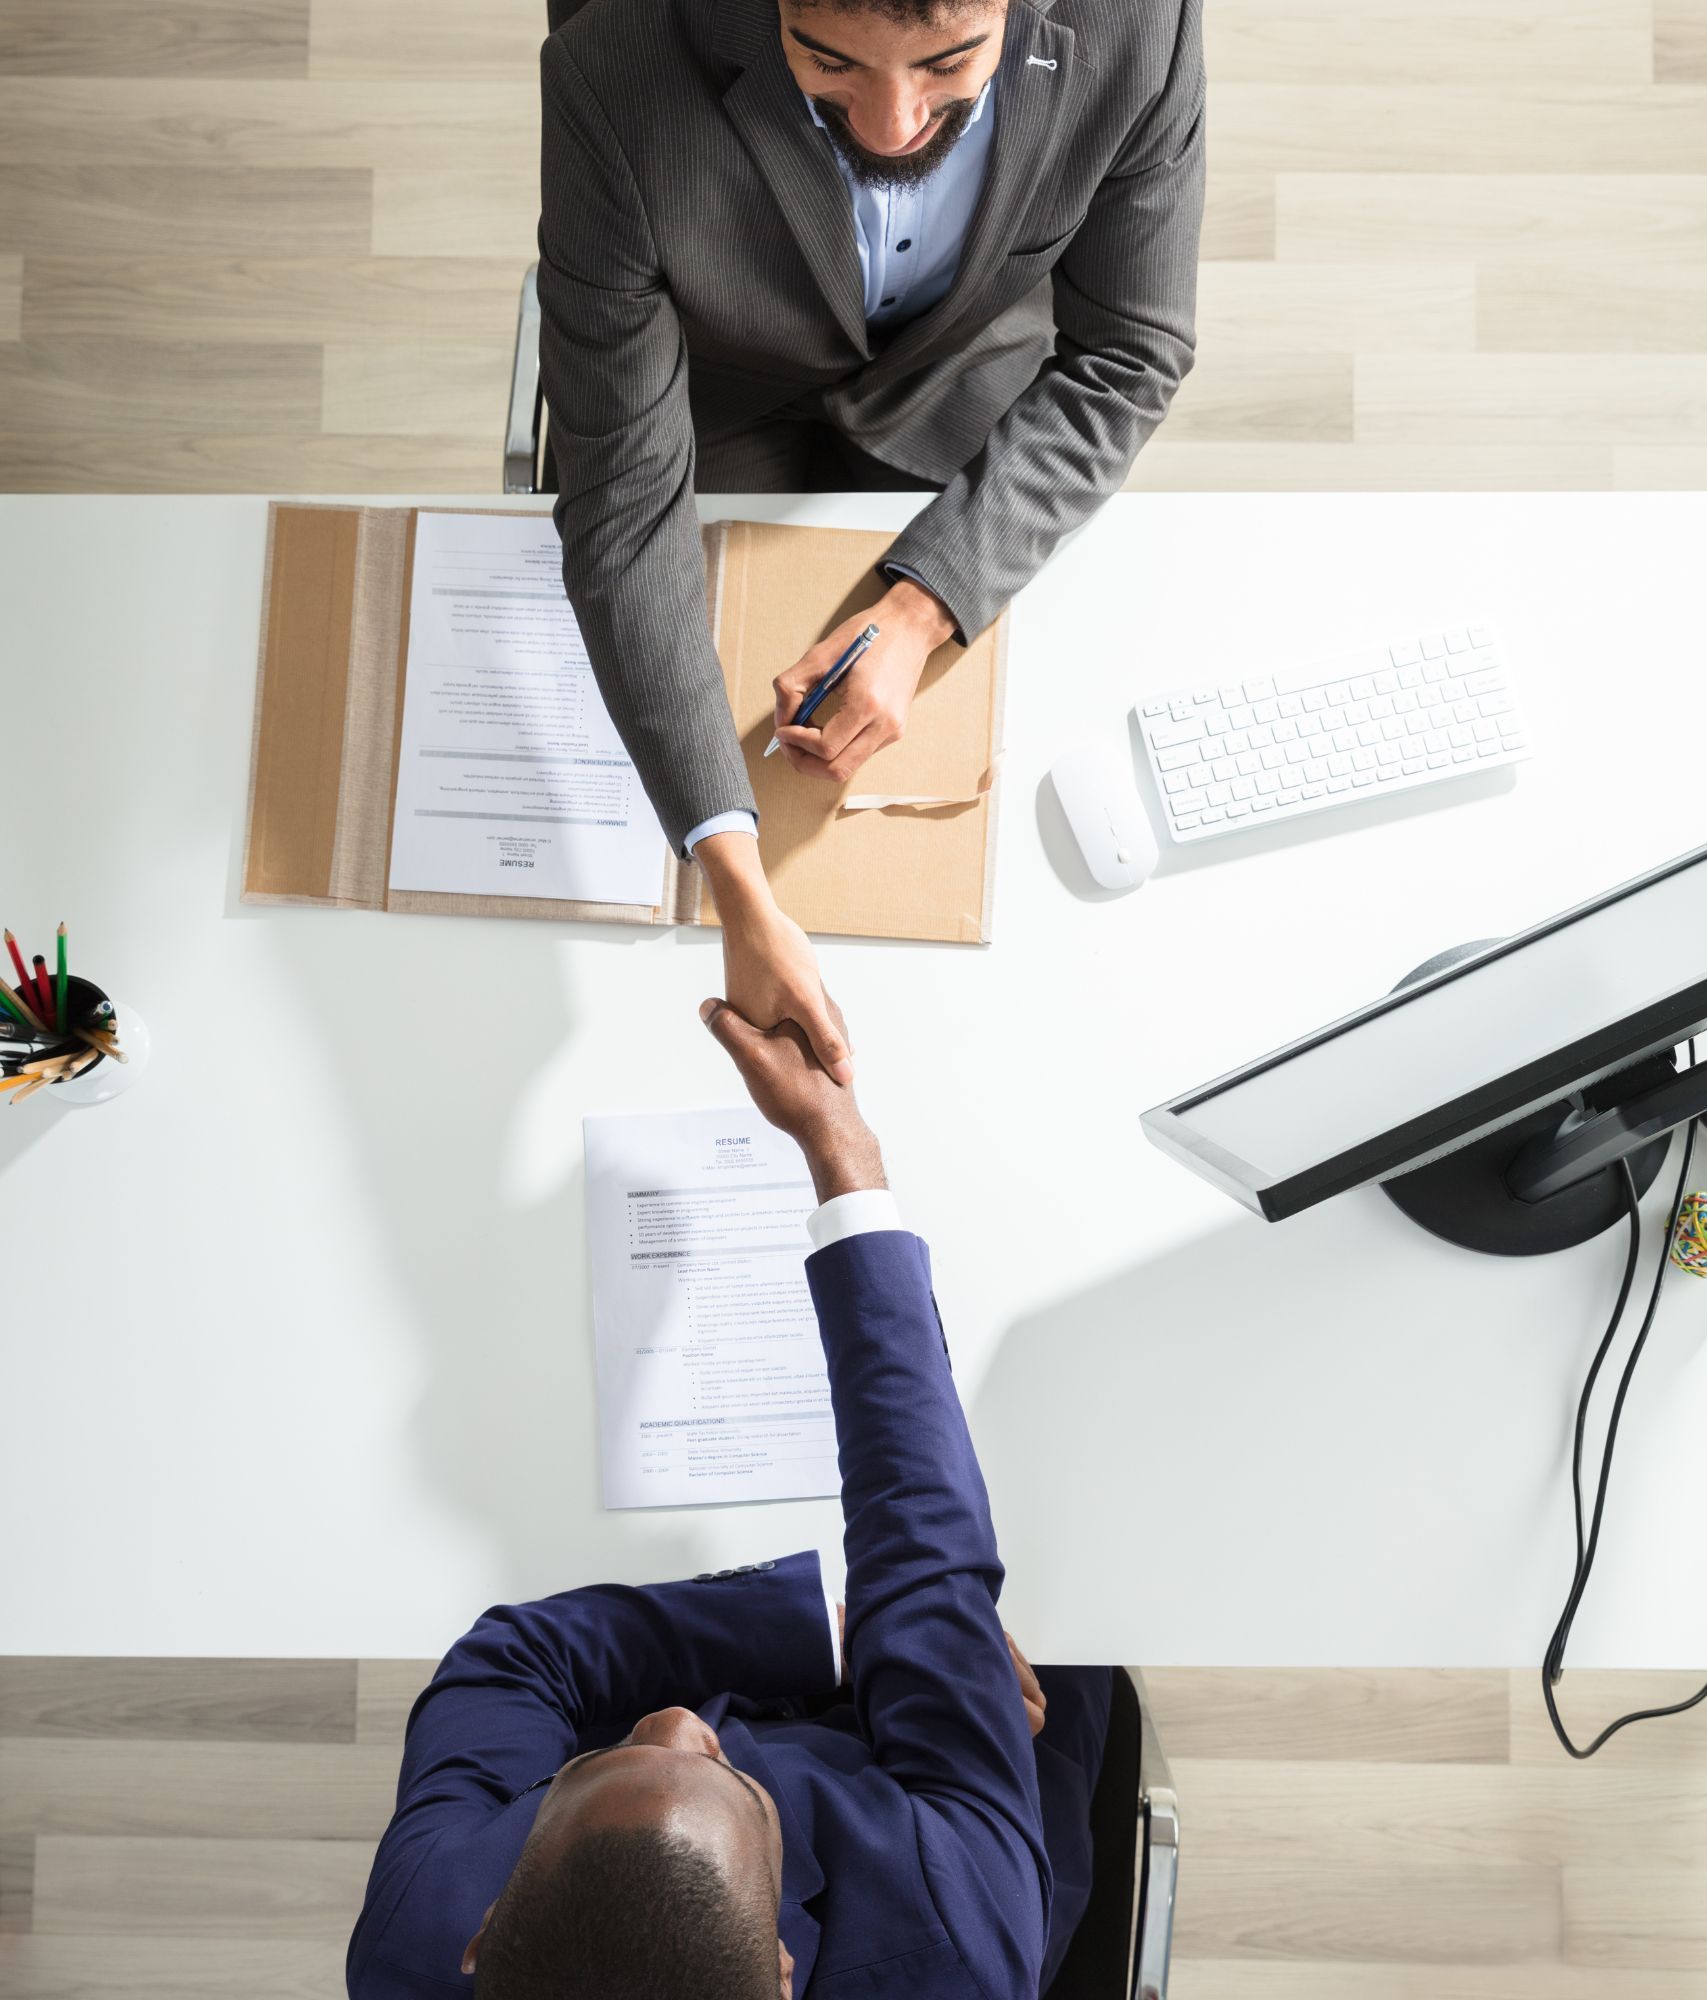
(1494, 1091)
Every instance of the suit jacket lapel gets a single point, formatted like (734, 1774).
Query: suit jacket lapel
(765, 105)
(802, 1878)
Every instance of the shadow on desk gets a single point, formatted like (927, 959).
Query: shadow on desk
(1277, 1416)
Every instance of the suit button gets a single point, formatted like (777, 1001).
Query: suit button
(705, 1576)
(724, 1574)
(766, 1565)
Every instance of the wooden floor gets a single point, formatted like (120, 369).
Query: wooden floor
(275, 245)
(190, 1829)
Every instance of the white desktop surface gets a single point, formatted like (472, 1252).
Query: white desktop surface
(295, 1354)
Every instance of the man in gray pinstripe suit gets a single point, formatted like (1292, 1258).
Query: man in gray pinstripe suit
(792, 244)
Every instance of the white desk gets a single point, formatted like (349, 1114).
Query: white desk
(296, 1355)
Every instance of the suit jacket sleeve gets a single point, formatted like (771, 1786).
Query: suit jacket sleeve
(614, 366)
(935, 1689)
(532, 1684)
(1125, 291)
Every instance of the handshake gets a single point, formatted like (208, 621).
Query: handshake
(798, 1095)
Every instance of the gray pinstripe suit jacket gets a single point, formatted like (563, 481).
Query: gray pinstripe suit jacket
(698, 274)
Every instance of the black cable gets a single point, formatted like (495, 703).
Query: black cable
(1553, 1665)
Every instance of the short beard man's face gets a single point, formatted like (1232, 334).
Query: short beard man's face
(895, 170)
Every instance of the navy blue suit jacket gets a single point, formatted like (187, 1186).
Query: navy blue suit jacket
(929, 1847)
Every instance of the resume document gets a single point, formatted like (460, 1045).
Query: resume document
(511, 779)
(711, 1372)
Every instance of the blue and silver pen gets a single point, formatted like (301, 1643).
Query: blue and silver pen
(808, 707)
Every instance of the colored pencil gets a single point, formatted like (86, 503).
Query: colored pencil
(16, 1004)
(12, 1082)
(17, 958)
(43, 1064)
(61, 983)
(44, 987)
(28, 1088)
(107, 1048)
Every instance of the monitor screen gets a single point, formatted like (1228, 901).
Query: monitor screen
(1461, 1052)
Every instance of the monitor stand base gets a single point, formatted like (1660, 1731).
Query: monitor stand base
(1463, 1197)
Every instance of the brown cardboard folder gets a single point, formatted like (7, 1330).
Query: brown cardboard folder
(906, 851)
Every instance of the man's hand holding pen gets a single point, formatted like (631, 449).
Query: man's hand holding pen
(876, 694)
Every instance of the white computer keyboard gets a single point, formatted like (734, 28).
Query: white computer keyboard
(1297, 739)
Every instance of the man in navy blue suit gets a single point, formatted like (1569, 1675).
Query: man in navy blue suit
(627, 1794)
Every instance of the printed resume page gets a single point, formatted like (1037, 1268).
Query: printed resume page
(511, 779)
(711, 1373)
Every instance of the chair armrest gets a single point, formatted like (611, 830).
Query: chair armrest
(521, 436)
(1159, 1866)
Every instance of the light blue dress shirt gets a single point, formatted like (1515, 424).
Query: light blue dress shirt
(909, 241)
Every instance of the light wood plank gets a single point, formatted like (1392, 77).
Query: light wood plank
(1238, 216)
(186, 1968)
(1476, 127)
(1532, 398)
(55, 385)
(1458, 41)
(1660, 468)
(476, 213)
(385, 39)
(145, 38)
(11, 297)
(108, 211)
(83, 461)
(226, 1791)
(1418, 1916)
(350, 300)
(1264, 397)
(76, 122)
(87, 1887)
(1680, 41)
(1630, 308)
(1342, 1816)
(417, 388)
(1252, 1979)
(253, 1701)
(1529, 218)
(1619, 1913)
(17, 1877)
(1347, 1715)
(1258, 307)
(385, 1693)
(1164, 466)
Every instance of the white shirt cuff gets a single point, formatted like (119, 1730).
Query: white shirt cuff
(853, 1215)
(739, 821)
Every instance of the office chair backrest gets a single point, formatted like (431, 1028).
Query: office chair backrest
(1098, 1964)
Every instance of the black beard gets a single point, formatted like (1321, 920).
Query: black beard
(908, 169)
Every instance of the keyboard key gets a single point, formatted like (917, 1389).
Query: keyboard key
(1212, 817)
(1155, 708)
(1200, 699)
(1286, 732)
(1267, 711)
(1363, 777)
(1495, 704)
(1224, 767)
(1465, 711)
(1481, 635)
(1301, 753)
(1429, 697)
(1386, 682)
(1244, 788)
(1176, 781)
(1250, 762)
(1437, 670)
(1233, 744)
(1404, 701)
(1259, 690)
(1183, 821)
(1215, 723)
(1198, 774)
(1418, 724)
(1393, 728)
(1218, 794)
(1287, 798)
(1488, 731)
(1404, 652)
(1166, 734)
(1389, 753)
(1410, 677)
(1436, 740)
(1433, 645)
(1362, 688)
(1363, 760)
(1241, 717)
(1176, 760)
(1232, 696)
(1268, 784)
(1238, 809)
(1487, 749)
(1369, 733)
(1380, 708)
(1459, 734)
(1339, 784)
(1316, 770)
(1273, 757)
(1438, 758)
(1291, 704)
(1345, 739)
(1339, 692)
(1458, 640)
(1261, 738)
(1314, 791)
(1179, 708)
(1316, 699)
(1357, 711)
(1262, 805)
(1484, 682)
(1462, 756)
(1339, 765)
